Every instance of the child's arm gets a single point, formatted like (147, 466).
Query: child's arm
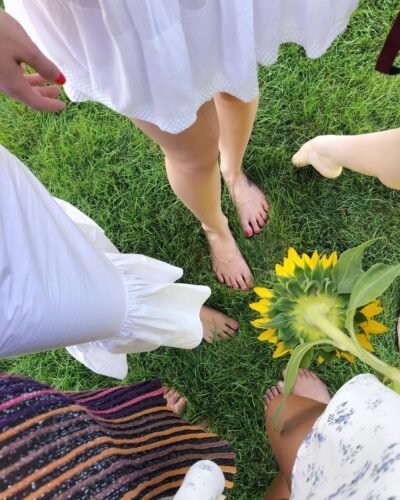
(376, 154)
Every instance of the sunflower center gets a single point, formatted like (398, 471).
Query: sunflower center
(329, 306)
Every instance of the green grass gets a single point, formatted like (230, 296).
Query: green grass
(100, 163)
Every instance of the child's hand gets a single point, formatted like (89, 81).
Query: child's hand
(16, 48)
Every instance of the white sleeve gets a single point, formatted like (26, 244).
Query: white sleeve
(56, 289)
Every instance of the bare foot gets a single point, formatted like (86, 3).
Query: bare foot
(217, 325)
(250, 203)
(227, 261)
(175, 401)
(317, 153)
(308, 385)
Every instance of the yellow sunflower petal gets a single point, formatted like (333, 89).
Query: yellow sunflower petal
(264, 293)
(281, 350)
(372, 309)
(281, 271)
(320, 360)
(373, 327)
(311, 261)
(363, 341)
(314, 259)
(350, 357)
(324, 262)
(260, 322)
(289, 266)
(261, 306)
(268, 334)
(295, 258)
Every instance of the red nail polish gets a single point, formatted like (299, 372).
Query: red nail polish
(60, 79)
(235, 325)
(248, 234)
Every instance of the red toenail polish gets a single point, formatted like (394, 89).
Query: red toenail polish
(60, 80)
(248, 234)
(235, 325)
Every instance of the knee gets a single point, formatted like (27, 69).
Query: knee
(200, 159)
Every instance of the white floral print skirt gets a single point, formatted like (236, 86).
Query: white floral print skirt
(353, 450)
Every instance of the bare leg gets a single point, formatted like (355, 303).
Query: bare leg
(192, 169)
(299, 415)
(236, 119)
(376, 154)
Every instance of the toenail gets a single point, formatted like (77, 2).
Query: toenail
(248, 233)
(235, 325)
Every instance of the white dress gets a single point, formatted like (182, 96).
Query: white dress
(63, 283)
(160, 60)
(353, 449)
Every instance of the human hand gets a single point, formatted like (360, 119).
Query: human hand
(16, 48)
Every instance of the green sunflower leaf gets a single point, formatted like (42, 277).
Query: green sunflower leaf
(372, 284)
(279, 321)
(292, 370)
(348, 269)
(284, 304)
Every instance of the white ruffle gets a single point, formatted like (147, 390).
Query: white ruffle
(159, 61)
(159, 312)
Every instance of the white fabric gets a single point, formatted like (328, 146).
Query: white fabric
(353, 449)
(160, 60)
(63, 282)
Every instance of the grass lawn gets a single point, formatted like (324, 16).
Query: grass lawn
(96, 160)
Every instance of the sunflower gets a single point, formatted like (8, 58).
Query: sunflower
(305, 283)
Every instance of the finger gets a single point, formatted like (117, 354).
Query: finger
(35, 79)
(42, 65)
(26, 94)
(52, 92)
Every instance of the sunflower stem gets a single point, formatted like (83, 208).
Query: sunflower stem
(345, 343)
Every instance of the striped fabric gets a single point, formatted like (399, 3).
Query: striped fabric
(117, 443)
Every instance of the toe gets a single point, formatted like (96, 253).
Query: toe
(264, 216)
(275, 391)
(233, 283)
(242, 283)
(220, 278)
(248, 280)
(281, 386)
(255, 226)
(300, 158)
(234, 325)
(268, 396)
(180, 405)
(260, 221)
(248, 230)
(302, 373)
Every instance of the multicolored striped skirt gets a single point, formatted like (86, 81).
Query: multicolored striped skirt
(121, 442)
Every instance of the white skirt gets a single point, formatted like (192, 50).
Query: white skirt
(63, 283)
(353, 449)
(160, 60)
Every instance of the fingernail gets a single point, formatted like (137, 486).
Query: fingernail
(60, 79)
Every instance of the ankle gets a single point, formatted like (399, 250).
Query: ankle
(231, 176)
(220, 230)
